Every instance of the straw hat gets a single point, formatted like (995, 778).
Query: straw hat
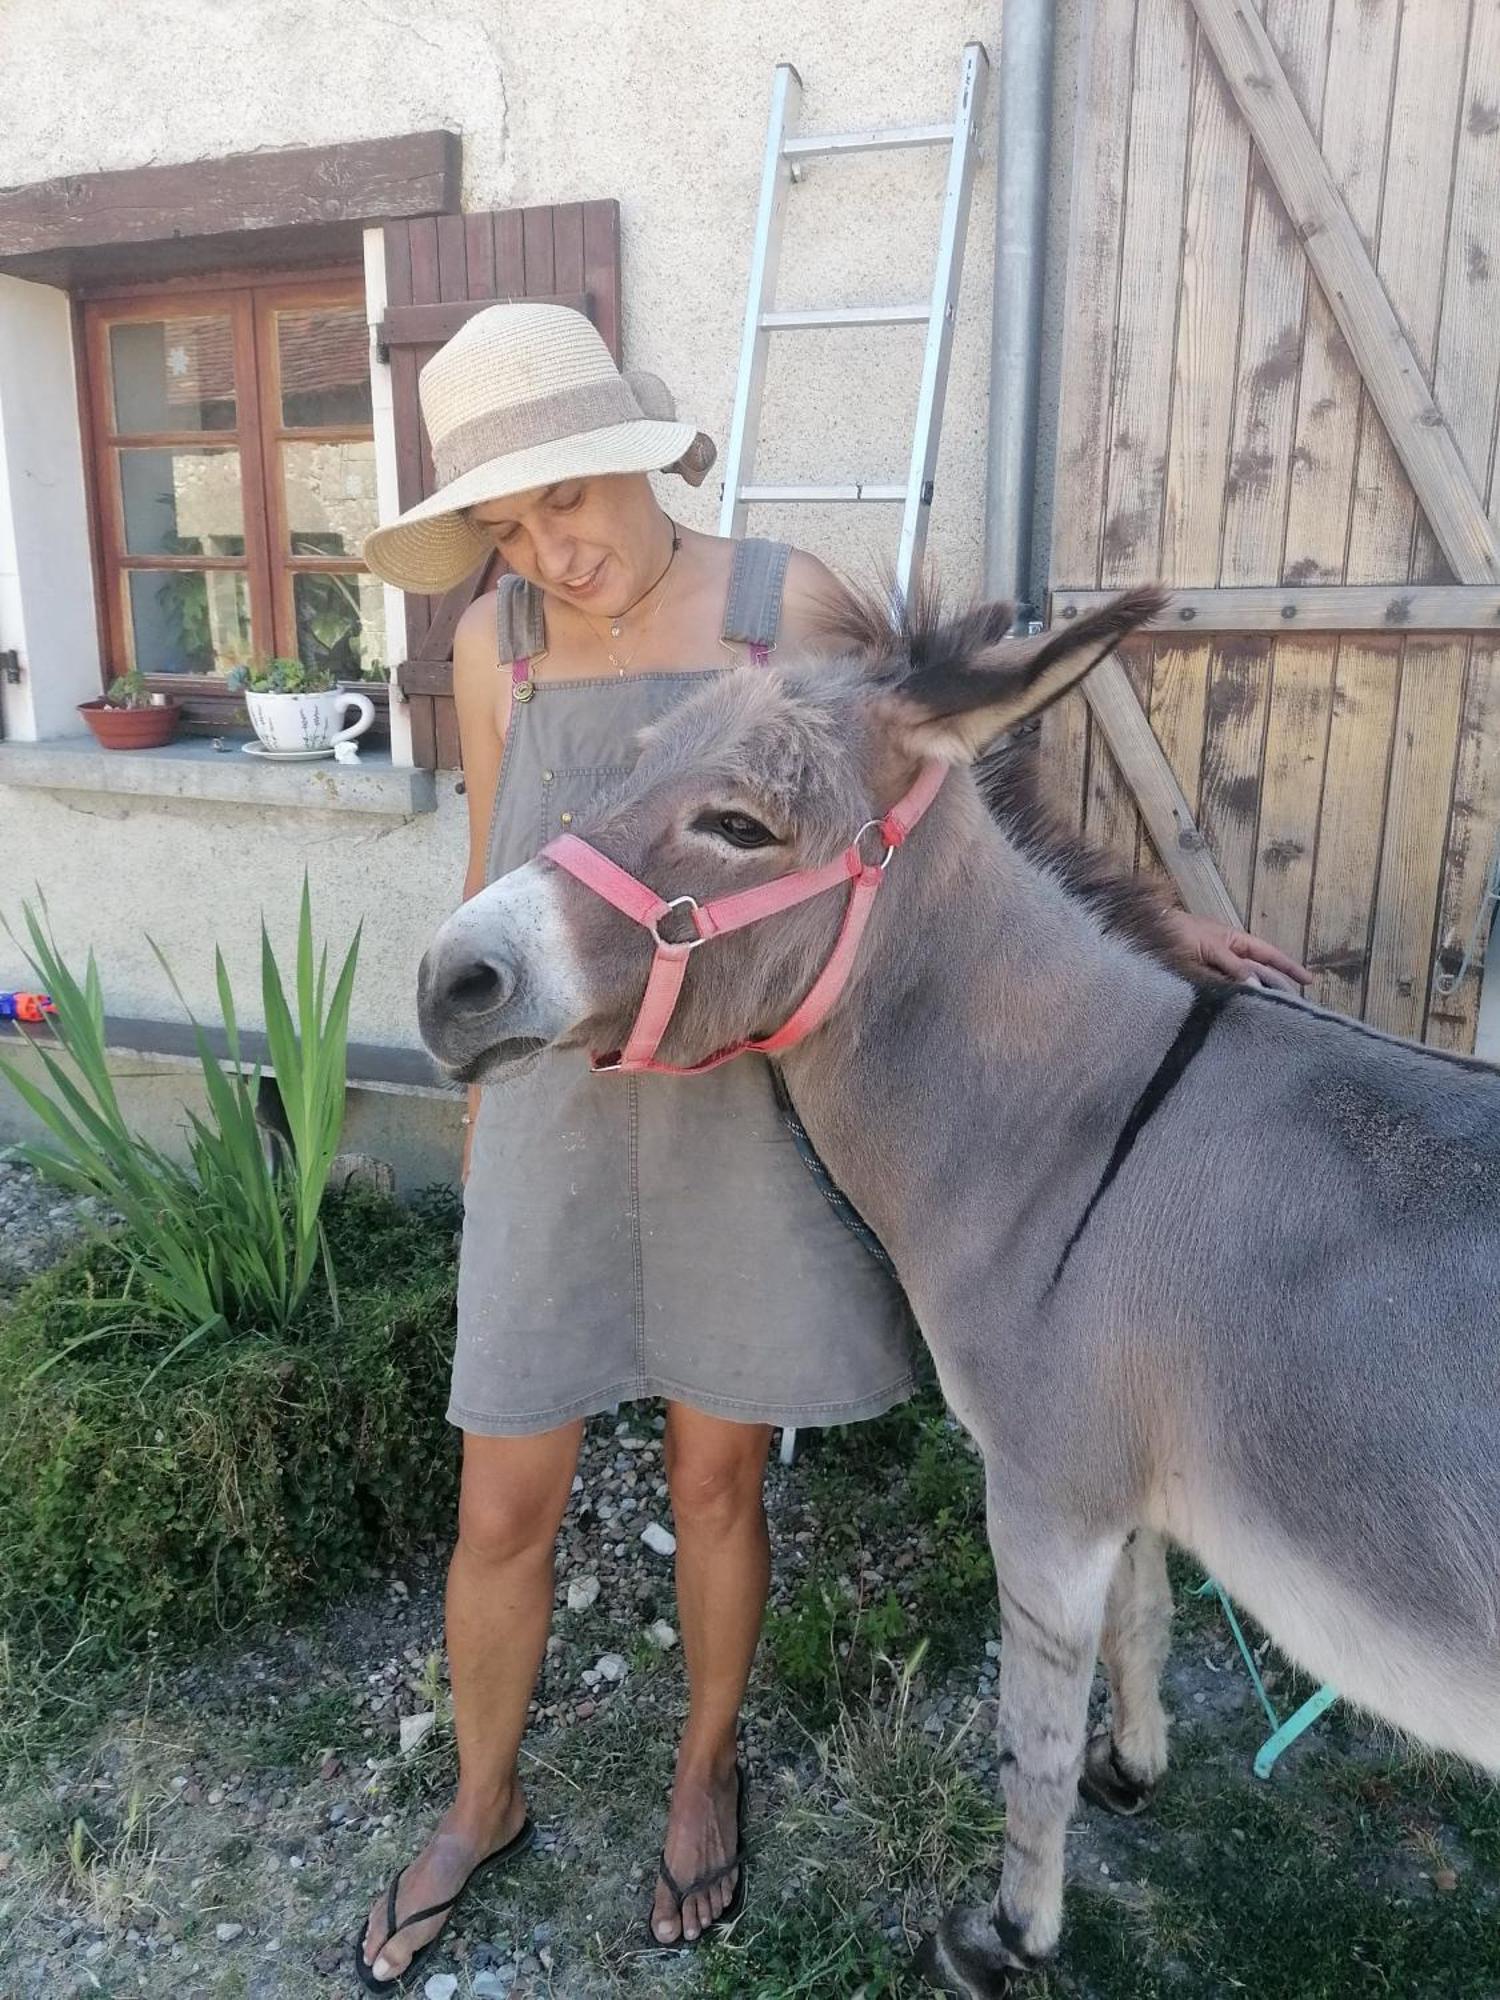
(522, 396)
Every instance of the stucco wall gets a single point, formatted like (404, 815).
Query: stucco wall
(661, 105)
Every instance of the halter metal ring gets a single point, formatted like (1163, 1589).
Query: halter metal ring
(677, 944)
(874, 826)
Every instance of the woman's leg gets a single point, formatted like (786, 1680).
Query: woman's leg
(715, 1472)
(499, 1606)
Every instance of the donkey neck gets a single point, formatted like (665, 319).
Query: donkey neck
(978, 1073)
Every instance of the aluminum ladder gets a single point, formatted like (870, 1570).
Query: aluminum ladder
(786, 151)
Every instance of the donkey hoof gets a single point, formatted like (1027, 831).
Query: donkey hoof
(964, 1956)
(1106, 1782)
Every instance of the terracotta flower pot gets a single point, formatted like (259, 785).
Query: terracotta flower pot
(132, 728)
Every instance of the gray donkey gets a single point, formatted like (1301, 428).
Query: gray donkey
(1194, 1262)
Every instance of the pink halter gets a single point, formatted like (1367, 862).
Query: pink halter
(732, 913)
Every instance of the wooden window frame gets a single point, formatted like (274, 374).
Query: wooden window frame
(250, 302)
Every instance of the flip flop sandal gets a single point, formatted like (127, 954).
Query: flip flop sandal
(511, 1851)
(707, 1880)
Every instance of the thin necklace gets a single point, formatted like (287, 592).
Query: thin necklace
(617, 623)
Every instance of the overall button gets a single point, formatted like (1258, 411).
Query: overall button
(567, 819)
(547, 777)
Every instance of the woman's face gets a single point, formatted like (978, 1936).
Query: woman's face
(595, 542)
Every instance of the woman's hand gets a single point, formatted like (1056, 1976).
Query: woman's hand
(471, 1112)
(1235, 954)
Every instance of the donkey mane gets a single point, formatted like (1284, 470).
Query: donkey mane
(891, 637)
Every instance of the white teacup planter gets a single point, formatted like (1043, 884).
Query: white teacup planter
(300, 722)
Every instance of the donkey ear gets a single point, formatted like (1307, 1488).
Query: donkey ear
(969, 682)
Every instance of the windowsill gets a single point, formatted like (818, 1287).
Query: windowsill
(191, 768)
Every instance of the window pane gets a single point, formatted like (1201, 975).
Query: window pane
(172, 374)
(340, 622)
(189, 621)
(325, 367)
(182, 503)
(330, 496)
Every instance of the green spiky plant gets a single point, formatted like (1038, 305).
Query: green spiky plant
(231, 1239)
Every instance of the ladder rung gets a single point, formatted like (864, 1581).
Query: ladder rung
(757, 494)
(785, 322)
(880, 139)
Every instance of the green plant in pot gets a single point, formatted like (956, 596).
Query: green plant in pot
(128, 716)
(299, 711)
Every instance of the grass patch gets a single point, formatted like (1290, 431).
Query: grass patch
(911, 1476)
(249, 1478)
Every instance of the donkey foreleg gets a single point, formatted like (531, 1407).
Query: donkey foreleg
(1123, 1766)
(1053, 1588)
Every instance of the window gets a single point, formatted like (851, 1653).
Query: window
(234, 469)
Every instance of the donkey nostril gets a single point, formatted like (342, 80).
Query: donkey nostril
(479, 988)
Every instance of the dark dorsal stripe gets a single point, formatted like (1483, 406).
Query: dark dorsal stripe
(1208, 1004)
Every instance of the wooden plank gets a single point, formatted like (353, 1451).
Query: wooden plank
(1099, 163)
(1239, 679)
(1473, 833)
(510, 255)
(406, 420)
(601, 268)
(479, 254)
(431, 325)
(1356, 104)
(1409, 262)
(1111, 819)
(1272, 322)
(1467, 372)
(567, 246)
(362, 180)
(1318, 608)
(446, 754)
(421, 710)
(1291, 790)
(1351, 821)
(536, 237)
(1168, 816)
(1416, 823)
(1179, 693)
(1134, 487)
(1390, 369)
(1205, 359)
(453, 256)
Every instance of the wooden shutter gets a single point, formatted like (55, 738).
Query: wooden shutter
(439, 271)
(1280, 384)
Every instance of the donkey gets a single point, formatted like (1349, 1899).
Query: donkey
(1194, 1261)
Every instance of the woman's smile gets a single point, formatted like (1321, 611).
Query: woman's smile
(586, 585)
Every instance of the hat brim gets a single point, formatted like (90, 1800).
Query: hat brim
(432, 547)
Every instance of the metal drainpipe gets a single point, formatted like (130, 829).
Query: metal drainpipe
(1020, 260)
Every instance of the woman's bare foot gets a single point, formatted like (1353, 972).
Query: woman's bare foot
(702, 1834)
(462, 1838)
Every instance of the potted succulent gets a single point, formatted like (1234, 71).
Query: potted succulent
(128, 716)
(297, 710)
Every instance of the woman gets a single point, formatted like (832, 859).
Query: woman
(620, 1240)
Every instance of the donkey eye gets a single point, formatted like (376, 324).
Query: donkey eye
(738, 828)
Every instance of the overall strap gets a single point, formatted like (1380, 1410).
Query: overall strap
(521, 630)
(752, 610)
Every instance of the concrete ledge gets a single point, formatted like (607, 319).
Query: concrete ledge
(193, 769)
(381, 1066)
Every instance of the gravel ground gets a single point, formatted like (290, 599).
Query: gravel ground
(37, 1223)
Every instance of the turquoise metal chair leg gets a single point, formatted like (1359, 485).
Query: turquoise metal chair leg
(1282, 1733)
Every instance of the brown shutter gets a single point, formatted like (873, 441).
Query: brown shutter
(439, 270)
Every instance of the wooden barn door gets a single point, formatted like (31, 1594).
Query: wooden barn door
(1279, 394)
(440, 270)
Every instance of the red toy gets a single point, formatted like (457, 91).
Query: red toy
(25, 1006)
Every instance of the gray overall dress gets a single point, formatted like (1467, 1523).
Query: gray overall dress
(655, 1236)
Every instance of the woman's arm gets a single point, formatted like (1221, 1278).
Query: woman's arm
(482, 716)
